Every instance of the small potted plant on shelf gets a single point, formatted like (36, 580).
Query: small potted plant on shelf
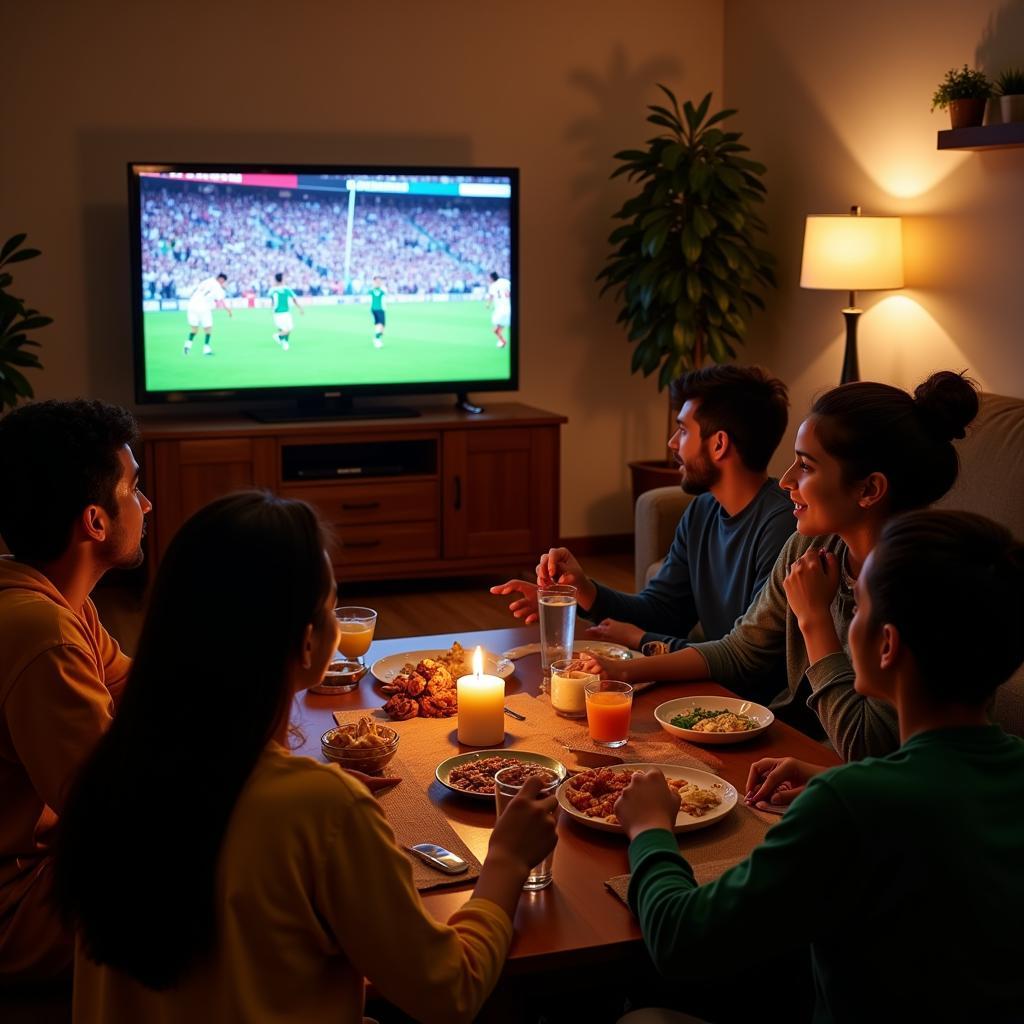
(965, 92)
(1011, 95)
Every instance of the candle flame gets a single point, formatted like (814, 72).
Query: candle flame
(478, 662)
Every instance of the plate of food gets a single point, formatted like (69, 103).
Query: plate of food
(456, 659)
(472, 774)
(601, 648)
(713, 720)
(590, 796)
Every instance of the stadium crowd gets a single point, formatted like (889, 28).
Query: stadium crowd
(417, 245)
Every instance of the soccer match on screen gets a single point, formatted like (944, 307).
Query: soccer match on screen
(278, 280)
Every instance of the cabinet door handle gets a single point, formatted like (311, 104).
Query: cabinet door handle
(352, 506)
(458, 492)
(360, 543)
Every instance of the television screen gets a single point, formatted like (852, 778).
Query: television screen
(279, 281)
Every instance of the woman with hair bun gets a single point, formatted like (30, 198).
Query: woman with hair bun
(865, 453)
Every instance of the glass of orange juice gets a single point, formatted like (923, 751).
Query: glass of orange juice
(609, 706)
(355, 632)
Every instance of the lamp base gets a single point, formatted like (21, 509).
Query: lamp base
(851, 372)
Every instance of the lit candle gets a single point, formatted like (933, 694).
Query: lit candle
(481, 707)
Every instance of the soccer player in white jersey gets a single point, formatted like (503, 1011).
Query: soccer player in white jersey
(499, 297)
(208, 293)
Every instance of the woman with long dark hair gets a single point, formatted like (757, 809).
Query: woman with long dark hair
(865, 453)
(213, 876)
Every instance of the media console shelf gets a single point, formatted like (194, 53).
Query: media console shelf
(445, 494)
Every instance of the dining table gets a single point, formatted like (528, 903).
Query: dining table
(576, 922)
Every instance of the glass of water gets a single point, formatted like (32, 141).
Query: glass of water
(507, 783)
(556, 605)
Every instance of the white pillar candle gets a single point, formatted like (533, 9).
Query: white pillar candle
(481, 707)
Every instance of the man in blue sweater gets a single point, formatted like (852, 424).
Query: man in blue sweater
(730, 422)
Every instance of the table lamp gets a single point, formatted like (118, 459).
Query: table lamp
(852, 253)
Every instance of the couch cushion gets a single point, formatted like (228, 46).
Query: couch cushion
(991, 480)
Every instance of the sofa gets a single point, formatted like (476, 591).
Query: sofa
(991, 483)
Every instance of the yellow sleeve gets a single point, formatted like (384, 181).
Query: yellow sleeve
(116, 664)
(431, 971)
(57, 710)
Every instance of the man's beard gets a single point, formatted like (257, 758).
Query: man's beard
(700, 475)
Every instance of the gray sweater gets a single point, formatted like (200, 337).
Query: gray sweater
(768, 633)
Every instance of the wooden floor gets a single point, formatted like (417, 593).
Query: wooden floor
(405, 608)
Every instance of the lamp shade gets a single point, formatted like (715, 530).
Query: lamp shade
(852, 254)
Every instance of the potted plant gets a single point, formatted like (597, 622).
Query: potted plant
(965, 92)
(686, 267)
(16, 321)
(1010, 85)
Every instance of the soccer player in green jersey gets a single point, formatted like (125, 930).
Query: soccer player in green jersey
(280, 296)
(377, 312)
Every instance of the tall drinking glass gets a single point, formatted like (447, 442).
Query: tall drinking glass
(557, 608)
(507, 783)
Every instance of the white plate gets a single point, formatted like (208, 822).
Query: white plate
(684, 822)
(385, 669)
(664, 713)
(602, 648)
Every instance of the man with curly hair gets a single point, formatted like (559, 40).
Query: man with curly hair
(70, 509)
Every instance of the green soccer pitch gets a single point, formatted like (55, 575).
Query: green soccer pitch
(330, 345)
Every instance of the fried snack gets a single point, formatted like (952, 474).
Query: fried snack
(594, 793)
(478, 776)
(362, 736)
(408, 683)
(429, 686)
(401, 708)
(455, 660)
(439, 705)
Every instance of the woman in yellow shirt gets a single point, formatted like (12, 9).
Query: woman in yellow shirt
(211, 875)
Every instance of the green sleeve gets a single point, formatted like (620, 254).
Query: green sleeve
(801, 882)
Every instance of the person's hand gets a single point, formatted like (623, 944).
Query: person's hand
(525, 830)
(374, 783)
(811, 583)
(559, 565)
(605, 668)
(617, 632)
(778, 780)
(525, 606)
(647, 803)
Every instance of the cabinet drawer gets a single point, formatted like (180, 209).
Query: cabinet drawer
(345, 504)
(386, 542)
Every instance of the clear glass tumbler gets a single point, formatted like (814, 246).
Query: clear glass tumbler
(556, 605)
(507, 783)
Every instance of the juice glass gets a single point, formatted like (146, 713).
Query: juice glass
(355, 633)
(507, 783)
(609, 705)
(568, 680)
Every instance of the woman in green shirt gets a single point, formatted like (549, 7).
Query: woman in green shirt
(898, 872)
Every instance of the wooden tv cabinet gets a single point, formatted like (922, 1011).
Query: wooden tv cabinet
(444, 494)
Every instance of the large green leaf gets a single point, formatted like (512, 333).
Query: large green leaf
(691, 244)
(20, 256)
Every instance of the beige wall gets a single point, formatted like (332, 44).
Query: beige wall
(554, 87)
(835, 100)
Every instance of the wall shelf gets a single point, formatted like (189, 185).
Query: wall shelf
(987, 136)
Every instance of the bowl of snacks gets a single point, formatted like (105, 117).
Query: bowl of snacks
(365, 746)
(713, 720)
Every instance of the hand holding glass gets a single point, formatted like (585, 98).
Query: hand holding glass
(507, 784)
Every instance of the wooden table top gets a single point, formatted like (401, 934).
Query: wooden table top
(576, 920)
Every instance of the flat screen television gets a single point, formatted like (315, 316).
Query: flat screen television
(321, 284)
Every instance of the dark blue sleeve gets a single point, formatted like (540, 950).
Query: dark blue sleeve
(665, 607)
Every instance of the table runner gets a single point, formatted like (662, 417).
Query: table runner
(415, 819)
(712, 851)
